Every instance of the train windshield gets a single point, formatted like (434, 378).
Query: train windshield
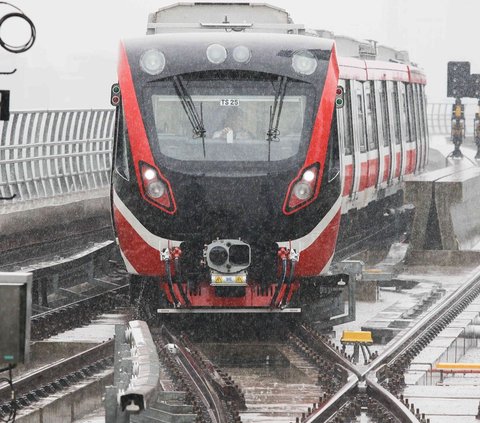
(231, 120)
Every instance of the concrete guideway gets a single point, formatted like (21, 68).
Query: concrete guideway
(446, 208)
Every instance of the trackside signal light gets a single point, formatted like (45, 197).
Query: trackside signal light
(115, 95)
(339, 97)
(156, 188)
(303, 189)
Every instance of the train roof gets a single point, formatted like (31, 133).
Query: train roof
(358, 59)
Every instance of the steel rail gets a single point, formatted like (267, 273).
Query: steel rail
(430, 319)
(205, 390)
(336, 402)
(50, 373)
(367, 379)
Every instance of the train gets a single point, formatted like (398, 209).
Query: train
(249, 152)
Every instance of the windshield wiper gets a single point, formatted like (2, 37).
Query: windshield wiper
(188, 105)
(275, 112)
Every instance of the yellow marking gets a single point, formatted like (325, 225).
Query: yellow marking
(218, 279)
(458, 111)
(460, 366)
(356, 337)
(239, 279)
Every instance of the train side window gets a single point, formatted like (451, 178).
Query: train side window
(423, 105)
(347, 119)
(361, 119)
(416, 105)
(372, 129)
(411, 114)
(121, 159)
(396, 114)
(418, 111)
(384, 112)
(404, 112)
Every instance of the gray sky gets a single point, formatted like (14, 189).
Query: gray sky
(73, 62)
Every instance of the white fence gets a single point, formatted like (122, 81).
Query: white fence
(45, 154)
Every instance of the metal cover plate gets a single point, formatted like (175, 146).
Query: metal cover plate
(228, 310)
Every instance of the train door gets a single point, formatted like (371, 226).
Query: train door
(384, 127)
(396, 135)
(372, 133)
(423, 123)
(419, 127)
(413, 134)
(345, 131)
(402, 95)
(360, 174)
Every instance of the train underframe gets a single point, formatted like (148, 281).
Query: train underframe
(318, 298)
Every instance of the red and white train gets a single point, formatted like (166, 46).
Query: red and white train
(243, 162)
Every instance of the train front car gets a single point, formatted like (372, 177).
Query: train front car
(226, 186)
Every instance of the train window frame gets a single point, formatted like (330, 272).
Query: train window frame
(424, 122)
(416, 100)
(396, 114)
(404, 112)
(360, 117)
(411, 113)
(121, 149)
(371, 117)
(387, 138)
(227, 166)
(346, 118)
(418, 106)
(423, 110)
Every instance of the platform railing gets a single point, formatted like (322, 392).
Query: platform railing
(439, 116)
(45, 154)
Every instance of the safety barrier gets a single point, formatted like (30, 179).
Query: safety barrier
(446, 208)
(46, 154)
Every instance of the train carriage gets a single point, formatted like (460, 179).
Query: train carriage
(243, 161)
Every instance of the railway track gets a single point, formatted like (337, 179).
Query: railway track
(345, 391)
(382, 379)
(90, 282)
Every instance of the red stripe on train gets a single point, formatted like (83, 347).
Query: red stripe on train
(144, 258)
(314, 258)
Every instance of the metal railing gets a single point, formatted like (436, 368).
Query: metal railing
(439, 116)
(46, 154)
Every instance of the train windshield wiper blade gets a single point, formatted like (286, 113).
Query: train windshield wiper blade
(275, 112)
(188, 105)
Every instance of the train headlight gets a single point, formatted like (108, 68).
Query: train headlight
(227, 256)
(304, 62)
(218, 255)
(216, 53)
(156, 189)
(241, 54)
(149, 174)
(308, 175)
(152, 62)
(303, 189)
